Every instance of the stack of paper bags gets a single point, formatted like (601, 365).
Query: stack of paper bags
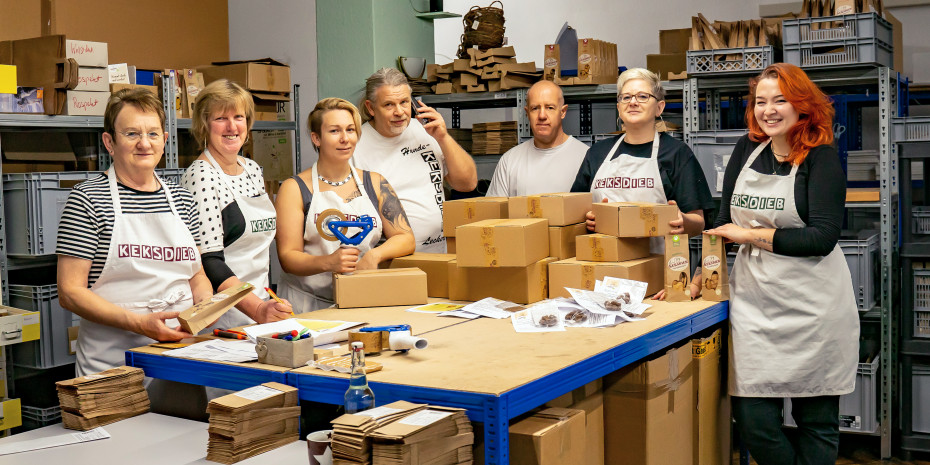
(252, 421)
(434, 436)
(103, 398)
(493, 138)
(352, 432)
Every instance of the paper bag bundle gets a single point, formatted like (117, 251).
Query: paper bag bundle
(494, 138)
(352, 432)
(252, 421)
(491, 70)
(434, 436)
(103, 398)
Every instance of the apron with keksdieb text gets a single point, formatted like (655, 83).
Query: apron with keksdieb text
(794, 325)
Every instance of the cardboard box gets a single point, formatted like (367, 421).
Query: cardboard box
(633, 219)
(711, 442)
(553, 436)
(664, 64)
(25, 147)
(590, 399)
(579, 274)
(12, 416)
(450, 245)
(87, 53)
(265, 75)
(562, 240)
(651, 410)
(380, 288)
(456, 213)
(561, 209)
(33, 167)
(674, 40)
(502, 243)
(436, 267)
(26, 321)
(897, 37)
(678, 268)
(206, 312)
(86, 103)
(604, 248)
(284, 353)
(520, 285)
(273, 151)
(715, 277)
(94, 79)
(72, 339)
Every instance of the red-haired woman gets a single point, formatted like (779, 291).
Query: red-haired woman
(793, 319)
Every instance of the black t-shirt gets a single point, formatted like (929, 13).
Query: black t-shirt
(682, 177)
(819, 195)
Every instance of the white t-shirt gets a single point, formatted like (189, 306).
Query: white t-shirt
(527, 170)
(414, 166)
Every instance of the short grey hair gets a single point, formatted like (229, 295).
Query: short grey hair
(383, 77)
(642, 73)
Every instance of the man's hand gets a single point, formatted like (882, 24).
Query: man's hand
(432, 121)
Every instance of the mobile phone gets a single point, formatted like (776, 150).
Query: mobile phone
(416, 109)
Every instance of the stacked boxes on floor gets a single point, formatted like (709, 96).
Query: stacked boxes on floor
(252, 421)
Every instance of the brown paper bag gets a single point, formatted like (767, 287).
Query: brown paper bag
(677, 268)
(551, 65)
(715, 281)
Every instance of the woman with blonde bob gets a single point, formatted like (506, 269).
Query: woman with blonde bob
(794, 326)
(333, 189)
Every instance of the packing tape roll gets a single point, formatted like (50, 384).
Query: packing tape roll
(487, 243)
(587, 277)
(544, 282)
(650, 222)
(370, 340)
(534, 206)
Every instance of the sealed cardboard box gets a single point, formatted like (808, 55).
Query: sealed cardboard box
(95, 79)
(553, 436)
(270, 107)
(677, 268)
(710, 440)
(436, 267)
(715, 279)
(578, 274)
(273, 151)
(561, 209)
(502, 243)
(562, 240)
(86, 103)
(380, 288)
(651, 405)
(674, 40)
(265, 75)
(458, 212)
(590, 399)
(450, 245)
(633, 219)
(520, 285)
(87, 53)
(604, 248)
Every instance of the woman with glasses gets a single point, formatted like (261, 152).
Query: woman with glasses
(643, 165)
(238, 218)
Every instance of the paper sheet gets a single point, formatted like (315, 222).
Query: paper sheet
(575, 316)
(460, 314)
(323, 331)
(54, 441)
(217, 350)
(540, 318)
(436, 308)
(423, 418)
(256, 393)
(493, 308)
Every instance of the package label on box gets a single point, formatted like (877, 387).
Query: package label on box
(87, 53)
(256, 393)
(119, 73)
(95, 79)
(87, 103)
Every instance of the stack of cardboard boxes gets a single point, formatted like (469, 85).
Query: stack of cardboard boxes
(251, 422)
(493, 138)
(491, 70)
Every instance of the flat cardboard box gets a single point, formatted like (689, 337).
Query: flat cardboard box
(25, 147)
(456, 213)
(496, 52)
(709, 438)
(561, 209)
(520, 285)
(604, 248)
(94, 79)
(674, 40)
(380, 288)
(206, 312)
(87, 53)
(590, 399)
(436, 267)
(502, 242)
(678, 268)
(265, 75)
(234, 403)
(665, 64)
(86, 103)
(553, 436)
(651, 405)
(579, 274)
(562, 240)
(633, 219)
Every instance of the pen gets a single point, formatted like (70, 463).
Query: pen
(275, 297)
(227, 334)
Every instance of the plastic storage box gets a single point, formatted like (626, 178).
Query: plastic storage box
(911, 129)
(729, 60)
(861, 254)
(855, 26)
(920, 399)
(920, 218)
(922, 303)
(830, 54)
(713, 149)
(42, 416)
(51, 350)
(858, 409)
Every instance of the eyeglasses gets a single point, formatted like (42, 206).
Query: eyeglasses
(641, 97)
(135, 136)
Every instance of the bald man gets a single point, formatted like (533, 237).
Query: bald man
(549, 162)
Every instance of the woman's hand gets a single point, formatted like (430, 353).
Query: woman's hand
(678, 224)
(732, 233)
(343, 260)
(270, 310)
(369, 261)
(153, 325)
(589, 218)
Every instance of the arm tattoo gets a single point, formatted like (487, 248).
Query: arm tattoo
(762, 241)
(391, 209)
(353, 196)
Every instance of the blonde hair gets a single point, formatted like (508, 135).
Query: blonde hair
(383, 77)
(140, 98)
(641, 73)
(218, 97)
(315, 119)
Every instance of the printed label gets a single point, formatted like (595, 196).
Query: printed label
(551, 62)
(754, 202)
(584, 58)
(379, 412)
(711, 262)
(263, 225)
(157, 253)
(677, 263)
(424, 417)
(257, 393)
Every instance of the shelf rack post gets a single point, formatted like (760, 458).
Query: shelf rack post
(4, 282)
(690, 109)
(171, 119)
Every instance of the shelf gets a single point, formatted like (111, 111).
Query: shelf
(915, 249)
(874, 314)
(504, 98)
(915, 346)
(185, 123)
(838, 77)
(51, 121)
(863, 204)
(431, 15)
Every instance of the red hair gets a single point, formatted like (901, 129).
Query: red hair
(815, 110)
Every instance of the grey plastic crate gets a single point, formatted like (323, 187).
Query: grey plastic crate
(855, 26)
(861, 255)
(32, 205)
(911, 129)
(51, 350)
(713, 149)
(858, 409)
(43, 415)
(920, 218)
(729, 60)
(844, 52)
(922, 303)
(172, 174)
(920, 399)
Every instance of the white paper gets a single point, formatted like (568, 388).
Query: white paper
(530, 320)
(119, 73)
(54, 441)
(590, 320)
(217, 350)
(378, 412)
(493, 308)
(322, 331)
(616, 287)
(460, 314)
(424, 417)
(281, 326)
(256, 393)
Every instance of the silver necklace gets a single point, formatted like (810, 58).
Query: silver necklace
(335, 183)
(778, 160)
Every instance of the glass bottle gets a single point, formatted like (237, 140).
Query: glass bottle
(359, 396)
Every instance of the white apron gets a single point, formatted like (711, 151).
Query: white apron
(308, 293)
(794, 325)
(613, 175)
(249, 256)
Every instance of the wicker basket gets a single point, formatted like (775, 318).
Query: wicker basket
(484, 28)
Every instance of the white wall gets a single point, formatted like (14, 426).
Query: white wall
(284, 30)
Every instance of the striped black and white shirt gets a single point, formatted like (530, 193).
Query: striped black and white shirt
(86, 226)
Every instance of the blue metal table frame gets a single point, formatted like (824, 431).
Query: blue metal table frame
(203, 373)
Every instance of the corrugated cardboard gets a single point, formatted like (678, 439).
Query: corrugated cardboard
(204, 313)
(578, 274)
(604, 248)
(270, 107)
(678, 268)
(897, 37)
(709, 438)
(95, 79)
(265, 75)
(24, 146)
(651, 405)
(715, 277)
(562, 240)
(118, 87)
(590, 399)
(496, 52)
(502, 243)
(87, 53)
(561, 209)
(674, 40)
(633, 219)
(554, 436)
(232, 403)
(272, 150)
(458, 212)
(86, 103)
(284, 353)
(520, 285)
(664, 64)
(450, 245)
(436, 267)
(380, 288)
